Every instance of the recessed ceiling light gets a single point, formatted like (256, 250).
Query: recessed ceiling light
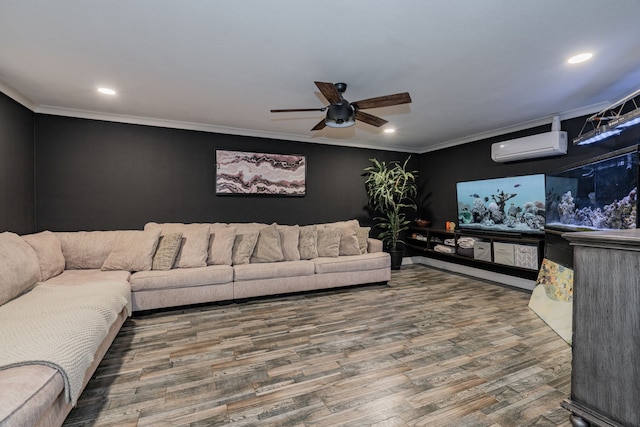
(389, 130)
(580, 58)
(106, 91)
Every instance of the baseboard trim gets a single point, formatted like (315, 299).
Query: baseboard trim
(505, 279)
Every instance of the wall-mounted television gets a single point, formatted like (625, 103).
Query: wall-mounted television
(513, 204)
(597, 194)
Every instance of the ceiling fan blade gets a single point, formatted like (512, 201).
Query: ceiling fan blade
(370, 119)
(319, 126)
(288, 110)
(384, 101)
(330, 92)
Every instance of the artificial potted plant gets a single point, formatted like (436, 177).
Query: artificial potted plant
(391, 190)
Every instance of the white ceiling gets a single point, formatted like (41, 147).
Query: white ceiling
(474, 68)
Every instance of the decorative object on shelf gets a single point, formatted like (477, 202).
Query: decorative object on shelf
(239, 172)
(391, 190)
(519, 255)
(422, 223)
(450, 225)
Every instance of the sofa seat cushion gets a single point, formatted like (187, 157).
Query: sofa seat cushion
(84, 277)
(371, 261)
(27, 392)
(181, 277)
(273, 270)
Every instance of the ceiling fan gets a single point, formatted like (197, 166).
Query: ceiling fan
(342, 113)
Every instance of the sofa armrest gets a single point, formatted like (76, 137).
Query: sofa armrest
(374, 245)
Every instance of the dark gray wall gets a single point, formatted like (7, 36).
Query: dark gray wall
(17, 198)
(96, 175)
(441, 170)
(92, 175)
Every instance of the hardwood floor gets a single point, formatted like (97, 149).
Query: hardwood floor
(429, 349)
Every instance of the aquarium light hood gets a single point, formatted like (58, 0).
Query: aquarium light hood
(607, 123)
(598, 134)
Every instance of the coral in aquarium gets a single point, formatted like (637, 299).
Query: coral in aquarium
(620, 214)
(567, 208)
(532, 215)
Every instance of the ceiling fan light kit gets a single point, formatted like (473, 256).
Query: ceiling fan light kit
(342, 113)
(340, 116)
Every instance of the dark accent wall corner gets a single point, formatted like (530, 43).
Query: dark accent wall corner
(17, 169)
(98, 175)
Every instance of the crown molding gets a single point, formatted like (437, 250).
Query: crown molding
(17, 96)
(202, 127)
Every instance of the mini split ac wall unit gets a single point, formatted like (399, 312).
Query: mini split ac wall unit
(530, 147)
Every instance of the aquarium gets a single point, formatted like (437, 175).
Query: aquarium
(599, 194)
(512, 204)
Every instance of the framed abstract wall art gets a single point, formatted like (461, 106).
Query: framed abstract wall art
(241, 172)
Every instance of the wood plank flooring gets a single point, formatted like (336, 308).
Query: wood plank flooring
(431, 348)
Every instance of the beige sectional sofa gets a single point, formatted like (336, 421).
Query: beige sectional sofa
(81, 287)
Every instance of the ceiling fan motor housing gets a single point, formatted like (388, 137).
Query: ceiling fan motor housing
(341, 87)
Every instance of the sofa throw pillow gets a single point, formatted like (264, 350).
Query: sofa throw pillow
(243, 246)
(221, 246)
(348, 238)
(18, 264)
(133, 251)
(49, 250)
(268, 246)
(167, 251)
(195, 242)
(363, 239)
(289, 237)
(328, 242)
(308, 242)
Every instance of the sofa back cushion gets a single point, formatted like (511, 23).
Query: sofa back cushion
(19, 268)
(48, 248)
(247, 227)
(133, 251)
(87, 249)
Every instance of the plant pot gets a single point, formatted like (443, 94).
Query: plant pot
(396, 258)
